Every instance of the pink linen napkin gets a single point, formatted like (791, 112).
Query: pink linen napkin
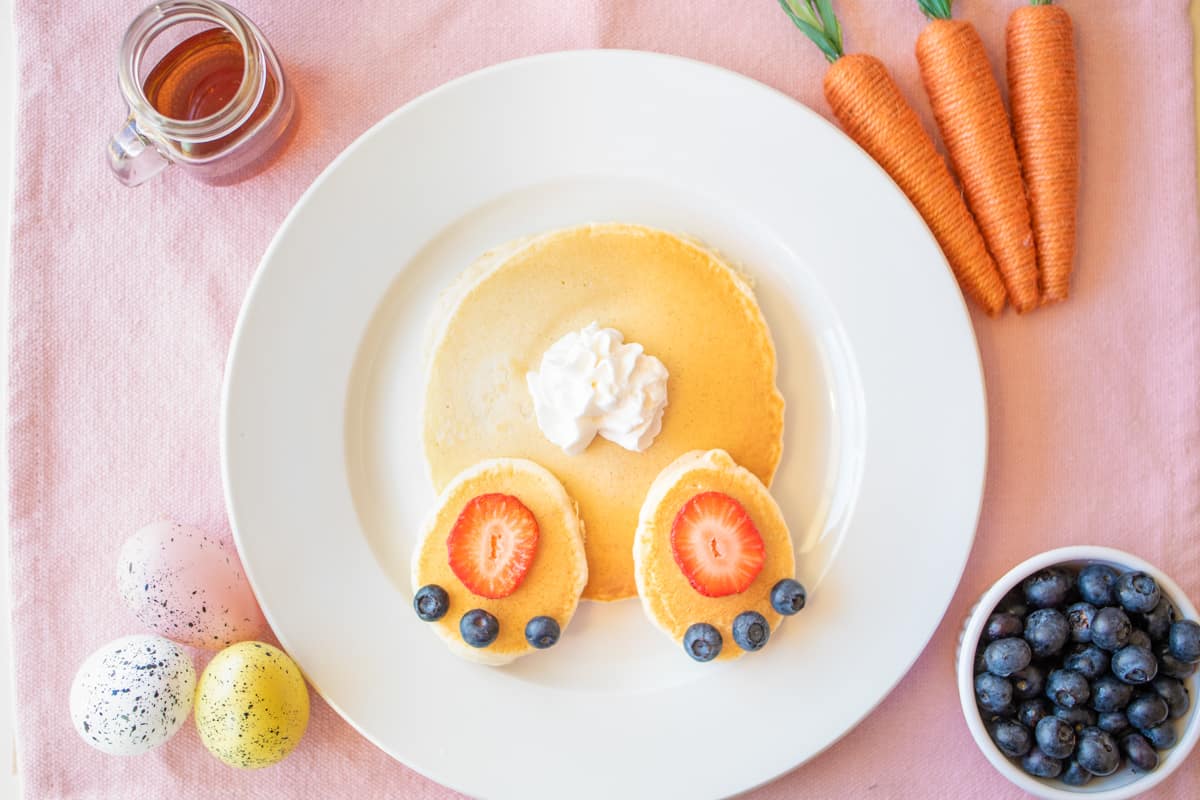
(123, 302)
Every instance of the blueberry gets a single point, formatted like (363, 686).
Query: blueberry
(1006, 656)
(1162, 736)
(1028, 683)
(1139, 638)
(1055, 737)
(1079, 717)
(1134, 664)
(1012, 738)
(1158, 621)
(980, 663)
(1040, 765)
(1110, 694)
(1088, 660)
(1175, 693)
(1097, 752)
(1114, 722)
(1171, 666)
(1046, 630)
(1137, 592)
(702, 641)
(1067, 689)
(1047, 588)
(1075, 775)
(1183, 642)
(751, 631)
(542, 632)
(1111, 628)
(1002, 626)
(1139, 751)
(1146, 710)
(1031, 712)
(992, 693)
(431, 602)
(1079, 620)
(1096, 584)
(478, 628)
(1013, 603)
(788, 597)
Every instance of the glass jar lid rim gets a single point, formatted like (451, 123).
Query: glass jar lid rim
(157, 18)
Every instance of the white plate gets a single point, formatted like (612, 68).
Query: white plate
(885, 429)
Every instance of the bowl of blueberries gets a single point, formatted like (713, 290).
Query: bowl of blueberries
(1076, 674)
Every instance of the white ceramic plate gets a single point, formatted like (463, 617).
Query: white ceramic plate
(885, 428)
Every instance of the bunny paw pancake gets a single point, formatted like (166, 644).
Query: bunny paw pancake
(602, 352)
(713, 558)
(500, 565)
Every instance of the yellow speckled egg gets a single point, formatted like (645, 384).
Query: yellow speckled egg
(251, 705)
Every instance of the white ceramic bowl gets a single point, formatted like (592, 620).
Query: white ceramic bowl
(1123, 784)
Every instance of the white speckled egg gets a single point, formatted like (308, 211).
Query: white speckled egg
(188, 586)
(132, 694)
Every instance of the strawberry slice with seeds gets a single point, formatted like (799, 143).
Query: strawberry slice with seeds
(716, 545)
(492, 544)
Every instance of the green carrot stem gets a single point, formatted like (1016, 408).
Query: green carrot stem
(817, 20)
(936, 9)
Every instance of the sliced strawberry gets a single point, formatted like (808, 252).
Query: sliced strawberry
(492, 544)
(716, 545)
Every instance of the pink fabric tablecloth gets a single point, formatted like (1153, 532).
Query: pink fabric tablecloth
(123, 302)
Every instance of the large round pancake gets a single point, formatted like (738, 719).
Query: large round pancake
(555, 578)
(674, 297)
(667, 598)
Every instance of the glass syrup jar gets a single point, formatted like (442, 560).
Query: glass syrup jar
(217, 104)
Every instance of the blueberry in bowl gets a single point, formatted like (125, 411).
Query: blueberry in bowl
(1111, 629)
(1137, 592)
(1055, 737)
(1048, 588)
(1134, 664)
(1079, 620)
(1003, 625)
(1079, 717)
(1068, 689)
(1028, 683)
(1110, 694)
(1097, 584)
(1076, 674)
(1088, 660)
(1003, 657)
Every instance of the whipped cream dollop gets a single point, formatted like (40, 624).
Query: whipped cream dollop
(590, 382)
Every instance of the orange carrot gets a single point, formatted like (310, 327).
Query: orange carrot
(970, 114)
(873, 112)
(1045, 107)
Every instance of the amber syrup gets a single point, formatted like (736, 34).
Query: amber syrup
(198, 78)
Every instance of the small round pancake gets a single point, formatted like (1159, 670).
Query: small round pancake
(555, 578)
(667, 598)
(678, 300)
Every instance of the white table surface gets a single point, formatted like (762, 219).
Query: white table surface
(8, 757)
(9, 781)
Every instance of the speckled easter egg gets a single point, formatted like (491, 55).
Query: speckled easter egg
(188, 586)
(133, 694)
(251, 705)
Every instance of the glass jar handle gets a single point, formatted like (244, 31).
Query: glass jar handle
(133, 156)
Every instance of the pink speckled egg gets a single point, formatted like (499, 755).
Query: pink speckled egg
(188, 586)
